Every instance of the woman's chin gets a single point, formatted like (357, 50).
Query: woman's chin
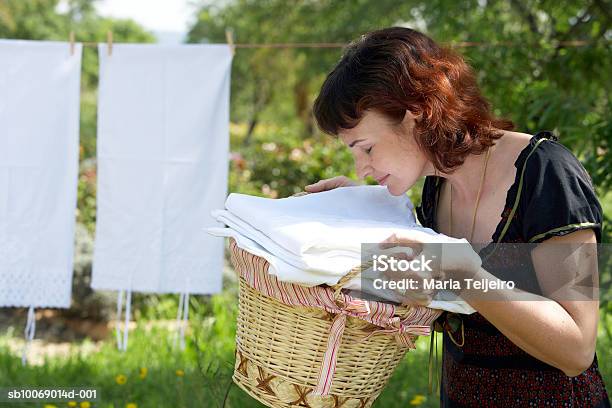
(395, 191)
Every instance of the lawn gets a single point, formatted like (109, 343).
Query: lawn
(153, 373)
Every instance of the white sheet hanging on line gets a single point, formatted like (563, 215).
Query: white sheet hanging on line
(163, 144)
(39, 157)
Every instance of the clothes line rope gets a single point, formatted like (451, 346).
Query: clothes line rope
(577, 43)
(461, 44)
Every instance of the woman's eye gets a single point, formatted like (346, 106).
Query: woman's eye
(368, 150)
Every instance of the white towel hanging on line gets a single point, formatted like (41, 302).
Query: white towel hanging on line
(163, 149)
(39, 154)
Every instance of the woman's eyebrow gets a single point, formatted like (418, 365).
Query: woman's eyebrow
(354, 142)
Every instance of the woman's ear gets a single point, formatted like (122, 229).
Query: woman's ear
(411, 116)
(409, 121)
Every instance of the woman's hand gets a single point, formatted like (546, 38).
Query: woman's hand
(444, 258)
(327, 184)
(391, 257)
(330, 184)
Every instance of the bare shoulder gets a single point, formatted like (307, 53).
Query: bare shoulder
(512, 143)
(516, 138)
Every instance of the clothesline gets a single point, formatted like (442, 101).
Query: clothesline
(462, 44)
(230, 41)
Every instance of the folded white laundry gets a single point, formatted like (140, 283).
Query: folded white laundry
(278, 267)
(316, 239)
(324, 267)
(341, 218)
(324, 232)
(358, 286)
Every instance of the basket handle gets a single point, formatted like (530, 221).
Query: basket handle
(353, 273)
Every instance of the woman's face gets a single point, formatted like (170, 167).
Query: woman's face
(387, 153)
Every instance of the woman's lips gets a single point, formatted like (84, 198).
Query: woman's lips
(382, 180)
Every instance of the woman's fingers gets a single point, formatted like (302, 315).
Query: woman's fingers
(389, 242)
(408, 249)
(415, 291)
(321, 185)
(316, 187)
(394, 240)
(393, 275)
(329, 184)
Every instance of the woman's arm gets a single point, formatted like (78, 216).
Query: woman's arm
(561, 333)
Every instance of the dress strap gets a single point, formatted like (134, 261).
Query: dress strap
(546, 134)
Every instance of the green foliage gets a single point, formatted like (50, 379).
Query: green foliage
(279, 164)
(267, 81)
(524, 65)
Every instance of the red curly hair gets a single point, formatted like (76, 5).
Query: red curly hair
(398, 69)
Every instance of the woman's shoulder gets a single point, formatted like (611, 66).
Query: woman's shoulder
(556, 192)
(547, 159)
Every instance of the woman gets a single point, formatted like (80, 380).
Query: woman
(408, 109)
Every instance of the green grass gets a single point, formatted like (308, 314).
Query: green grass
(207, 364)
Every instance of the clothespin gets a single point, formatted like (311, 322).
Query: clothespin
(109, 42)
(71, 42)
(229, 36)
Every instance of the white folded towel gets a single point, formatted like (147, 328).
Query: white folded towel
(316, 239)
(342, 218)
(324, 267)
(289, 273)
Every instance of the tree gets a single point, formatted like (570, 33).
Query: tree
(526, 62)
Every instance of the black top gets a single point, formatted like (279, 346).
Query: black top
(552, 195)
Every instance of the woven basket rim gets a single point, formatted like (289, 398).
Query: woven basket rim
(401, 310)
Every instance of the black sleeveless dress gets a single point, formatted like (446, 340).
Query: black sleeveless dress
(552, 195)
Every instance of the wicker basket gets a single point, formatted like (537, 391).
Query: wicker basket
(281, 348)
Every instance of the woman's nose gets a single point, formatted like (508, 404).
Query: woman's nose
(362, 167)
